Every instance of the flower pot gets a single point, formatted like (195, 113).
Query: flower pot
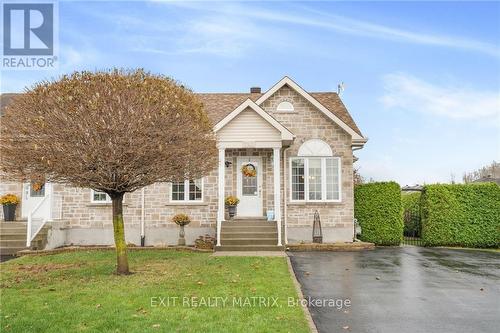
(9, 212)
(231, 210)
(182, 240)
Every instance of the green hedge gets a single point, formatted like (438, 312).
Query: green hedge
(377, 207)
(411, 204)
(465, 215)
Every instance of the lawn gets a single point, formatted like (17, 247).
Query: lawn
(78, 292)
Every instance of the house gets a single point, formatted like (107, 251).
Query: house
(299, 143)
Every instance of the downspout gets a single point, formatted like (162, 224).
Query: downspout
(285, 192)
(143, 237)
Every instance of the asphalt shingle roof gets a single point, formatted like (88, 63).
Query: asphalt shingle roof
(219, 105)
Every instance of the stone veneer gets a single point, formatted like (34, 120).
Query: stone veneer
(89, 223)
(306, 122)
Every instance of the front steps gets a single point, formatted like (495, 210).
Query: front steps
(249, 234)
(13, 238)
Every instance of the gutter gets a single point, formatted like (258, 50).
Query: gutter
(143, 237)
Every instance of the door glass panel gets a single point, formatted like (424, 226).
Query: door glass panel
(37, 190)
(249, 185)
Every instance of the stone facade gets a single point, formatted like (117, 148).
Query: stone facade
(307, 122)
(83, 222)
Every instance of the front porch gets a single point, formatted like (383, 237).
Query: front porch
(250, 137)
(258, 216)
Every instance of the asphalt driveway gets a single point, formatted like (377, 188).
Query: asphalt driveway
(403, 289)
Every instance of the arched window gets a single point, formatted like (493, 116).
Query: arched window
(315, 175)
(315, 147)
(285, 106)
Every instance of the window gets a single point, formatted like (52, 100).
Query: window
(187, 190)
(298, 179)
(285, 106)
(315, 173)
(315, 178)
(99, 197)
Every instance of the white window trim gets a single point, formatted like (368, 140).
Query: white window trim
(323, 178)
(186, 193)
(107, 201)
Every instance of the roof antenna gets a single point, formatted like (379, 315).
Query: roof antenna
(340, 88)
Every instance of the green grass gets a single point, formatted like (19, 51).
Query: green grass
(78, 292)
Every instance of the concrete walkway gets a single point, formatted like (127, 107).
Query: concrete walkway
(402, 289)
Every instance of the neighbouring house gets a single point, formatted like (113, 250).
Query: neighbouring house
(300, 144)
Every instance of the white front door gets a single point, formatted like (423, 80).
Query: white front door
(32, 196)
(249, 187)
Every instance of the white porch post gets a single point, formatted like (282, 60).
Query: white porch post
(277, 190)
(220, 210)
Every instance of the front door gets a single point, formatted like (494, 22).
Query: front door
(249, 186)
(33, 194)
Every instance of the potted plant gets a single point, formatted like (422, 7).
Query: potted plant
(9, 203)
(231, 203)
(181, 220)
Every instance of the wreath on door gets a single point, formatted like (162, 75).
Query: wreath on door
(249, 170)
(36, 186)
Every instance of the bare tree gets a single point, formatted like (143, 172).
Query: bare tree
(357, 178)
(489, 171)
(113, 131)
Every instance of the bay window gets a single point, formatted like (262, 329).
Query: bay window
(315, 179)
(315, 173)
(187, 190)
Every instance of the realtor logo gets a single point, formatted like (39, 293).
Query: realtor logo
(28, 35)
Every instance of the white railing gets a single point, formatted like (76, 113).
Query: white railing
(37, 218)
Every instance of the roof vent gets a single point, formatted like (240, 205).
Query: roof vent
(255, 90)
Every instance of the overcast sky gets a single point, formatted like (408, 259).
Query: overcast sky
(422, 79)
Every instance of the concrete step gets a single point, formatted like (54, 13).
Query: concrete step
(8, 229)
(249, 241)
(247, 234)
(12, 243)
(249, 248)
(13, 236)
(13, 223)
(250, 228)
(9, 251)
(249, 223)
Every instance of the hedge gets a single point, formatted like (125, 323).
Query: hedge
(465, 215)
(377, 207)
(411, 204)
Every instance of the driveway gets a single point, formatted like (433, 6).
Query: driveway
(402, 289)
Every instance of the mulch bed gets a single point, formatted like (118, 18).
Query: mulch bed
(96, 247)
(355, 246)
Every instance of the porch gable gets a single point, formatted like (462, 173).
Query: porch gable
(249, 126)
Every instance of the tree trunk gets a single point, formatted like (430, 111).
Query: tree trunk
(119, 232)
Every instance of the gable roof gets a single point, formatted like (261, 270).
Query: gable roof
(248, 103)
(219, 105)
(335, 103)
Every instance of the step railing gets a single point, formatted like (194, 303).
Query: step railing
(35, 224)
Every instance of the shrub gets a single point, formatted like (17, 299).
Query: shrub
(461, 215)
(411, 207)
(231, 200)
(377, 206)
(9, 199)
(181, 219)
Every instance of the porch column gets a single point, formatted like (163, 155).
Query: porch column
(220, 209)
(277, 190)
